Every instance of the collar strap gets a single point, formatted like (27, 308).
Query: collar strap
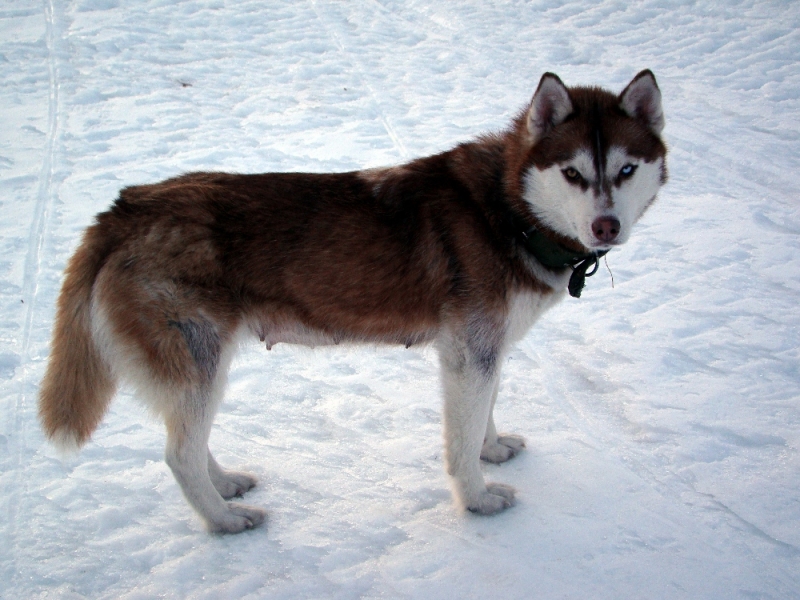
(555, 256)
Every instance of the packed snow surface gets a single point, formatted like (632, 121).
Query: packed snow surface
(661, 412)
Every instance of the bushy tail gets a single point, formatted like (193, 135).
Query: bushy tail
(78, 384)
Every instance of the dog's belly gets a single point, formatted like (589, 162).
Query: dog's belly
(271, 333)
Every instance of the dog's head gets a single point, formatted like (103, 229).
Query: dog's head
(595, 161)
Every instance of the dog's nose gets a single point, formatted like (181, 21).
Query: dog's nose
(606, 229)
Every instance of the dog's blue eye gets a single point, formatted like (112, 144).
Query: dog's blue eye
(627, 170)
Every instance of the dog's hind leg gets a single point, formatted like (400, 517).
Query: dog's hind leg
(189, 420)
(175, 349)
(187, 455)
(499, 448)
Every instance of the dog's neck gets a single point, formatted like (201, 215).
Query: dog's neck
(553, 255)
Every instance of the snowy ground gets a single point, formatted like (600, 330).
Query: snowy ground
(662, 414)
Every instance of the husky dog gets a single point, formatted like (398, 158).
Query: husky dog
(464, 249)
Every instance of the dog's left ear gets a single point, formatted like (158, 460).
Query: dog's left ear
(549, 107)
(642, 100)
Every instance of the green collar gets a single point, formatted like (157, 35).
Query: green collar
(555, 256)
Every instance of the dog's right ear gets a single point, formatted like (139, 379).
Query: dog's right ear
(642, 100)
(550, 107)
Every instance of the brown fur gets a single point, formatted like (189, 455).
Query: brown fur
(384, 255)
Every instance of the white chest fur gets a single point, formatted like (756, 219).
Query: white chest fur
(525, 309)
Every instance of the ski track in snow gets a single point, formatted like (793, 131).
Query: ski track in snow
(661, 415)
(362, 78)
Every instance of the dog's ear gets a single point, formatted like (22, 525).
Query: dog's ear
(550, 106)
(642, 100)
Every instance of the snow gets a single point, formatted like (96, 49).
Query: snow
(661, 413)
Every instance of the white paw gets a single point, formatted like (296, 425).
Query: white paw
(501, 489)
(506, 447)
(232, 484)
(238, 518)
(495, 499)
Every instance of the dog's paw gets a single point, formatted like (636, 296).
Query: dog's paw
(232, 484)
(495, 499)
(506, 447)
(238, 518)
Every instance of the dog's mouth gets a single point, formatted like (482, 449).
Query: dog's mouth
(592, 247)
(600, 246)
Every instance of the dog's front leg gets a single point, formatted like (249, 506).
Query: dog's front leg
(499, 448)
(470, 372)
